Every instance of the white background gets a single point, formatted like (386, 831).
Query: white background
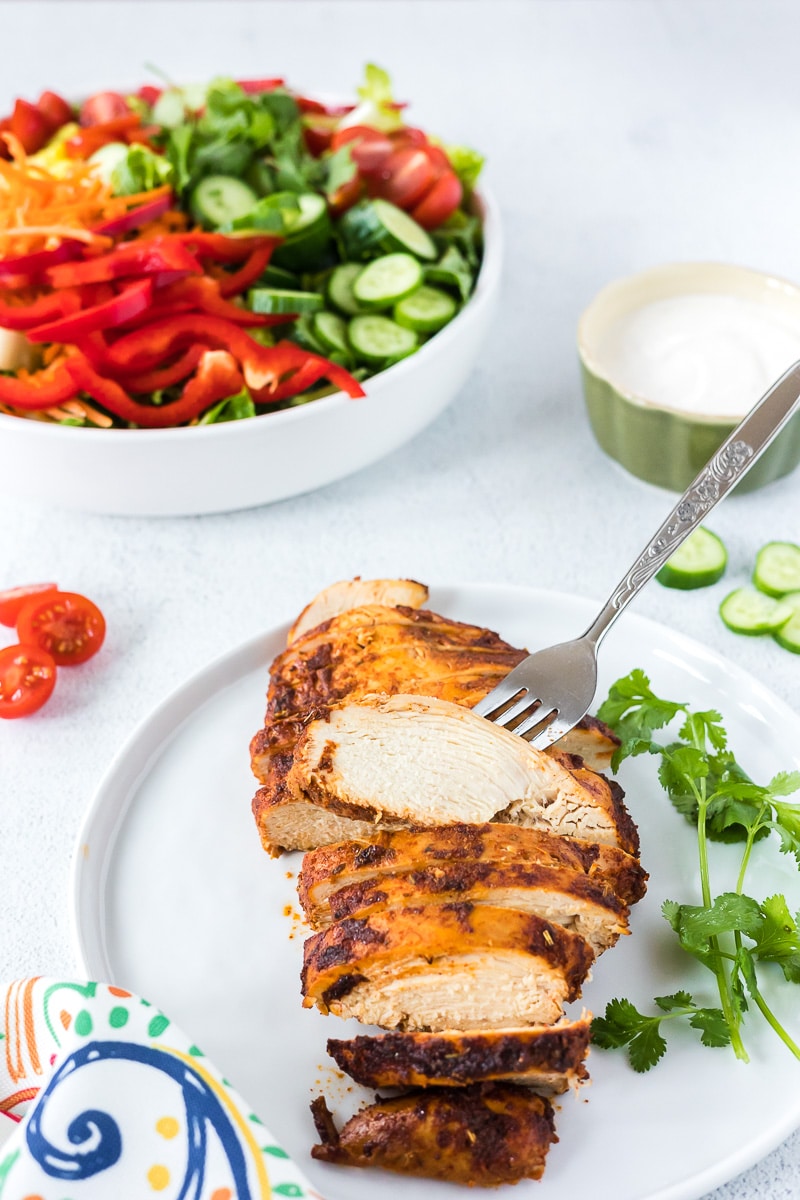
(618, 135)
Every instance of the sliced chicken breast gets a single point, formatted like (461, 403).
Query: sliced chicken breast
(559, 894)
(547, 1058)
(483, 1136)
(330, 868)
(416, 760)
(449, 966)
(356, 593)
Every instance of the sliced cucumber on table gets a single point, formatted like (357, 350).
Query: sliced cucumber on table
(698, 562)
(788, 635)
(777, 569)
(751, 612)
(220, 199)
(426, 310)
(376, 339)
(376, 226)
(386, 280)
(284, 300)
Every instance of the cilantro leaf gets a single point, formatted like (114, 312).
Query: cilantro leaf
(714, 1028)
(696, 925)
(634, 712)
(778, 939)
(624, 1025)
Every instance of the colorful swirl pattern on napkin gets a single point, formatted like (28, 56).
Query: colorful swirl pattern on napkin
(101, 1095)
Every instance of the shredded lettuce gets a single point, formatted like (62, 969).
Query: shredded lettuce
(377, 107)
(467, 165)
(140, 170)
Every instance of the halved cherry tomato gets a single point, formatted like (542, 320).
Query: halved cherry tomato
(370, 147)
(27, 679)
(55, 109)
(405, 177)
(65, 625)
(12, 600)
(440, 202)
(103, 107)
(30, 125)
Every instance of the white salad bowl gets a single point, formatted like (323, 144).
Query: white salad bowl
(258, 460)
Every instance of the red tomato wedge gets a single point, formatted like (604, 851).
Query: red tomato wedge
(439, 203)
(27, 679)
(12, 600)
(405, 177)
(65, 625)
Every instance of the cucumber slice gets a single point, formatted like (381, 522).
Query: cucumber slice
(376, 226)
(698, 562)
(426, 310)
(107, 159)
(748, 611)
(277, 277)
(330, 331)
(340, 288)
(386, 280)
(309, 235)
(378, 339)
(218, 199)
(283, 300)
(777, 569)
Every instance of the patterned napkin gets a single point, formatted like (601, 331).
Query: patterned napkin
(102, 1097)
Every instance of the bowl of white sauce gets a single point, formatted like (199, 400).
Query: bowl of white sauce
(674, 357)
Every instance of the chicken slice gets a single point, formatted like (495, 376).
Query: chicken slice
(548, 1058)
(355, 593)
(416, 760)
(484, 1135)
(559, 894)
(329, 868)
(449, 966)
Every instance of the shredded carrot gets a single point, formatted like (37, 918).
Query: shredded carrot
(39, 208)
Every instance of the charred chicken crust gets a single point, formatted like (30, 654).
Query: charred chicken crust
(487, 1134)
(449, 966)
(331, 867)
(548, 1058)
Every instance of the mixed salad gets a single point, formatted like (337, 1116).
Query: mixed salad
(189, 255)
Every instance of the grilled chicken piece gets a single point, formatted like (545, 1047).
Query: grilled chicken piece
(415, 760)
(355, 593)
(558, 894)
(449, 966)
(591, 740)
(548, 1058)
(330, 868)
(484, 1135)
(376, 649)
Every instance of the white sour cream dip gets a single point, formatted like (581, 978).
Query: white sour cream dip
(710, 354)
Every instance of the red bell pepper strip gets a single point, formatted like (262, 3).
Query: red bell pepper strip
(206, 296)
(130, 259)
(148, 211)
(264, 367)
(222, 247)
(131, 300)
(253, 267)
(154, 381)
(50, 307)
(32, 264)
(251, 87)
(216, 378)
(307, 369)
(53, 385)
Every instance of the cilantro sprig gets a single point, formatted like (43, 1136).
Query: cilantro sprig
(732, 934)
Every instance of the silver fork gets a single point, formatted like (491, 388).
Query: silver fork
(551, 690)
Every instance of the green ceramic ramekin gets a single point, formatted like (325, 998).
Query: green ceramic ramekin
(664, 446)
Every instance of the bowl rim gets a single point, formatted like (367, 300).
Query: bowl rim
(486, 283)
(663, 271)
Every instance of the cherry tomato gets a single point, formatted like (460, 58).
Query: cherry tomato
(347, 195)
(317, 132)
(55, 109)
(27, 679)
(12, 600)
(29, 125)
(66, 625)
(438, 204)
(405, 177)
(371, 148)
(103, 107)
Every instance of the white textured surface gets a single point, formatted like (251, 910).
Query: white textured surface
(619, 135)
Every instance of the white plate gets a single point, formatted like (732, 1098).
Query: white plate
(174, 899)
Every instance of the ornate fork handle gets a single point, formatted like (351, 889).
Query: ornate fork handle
(732, 461)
